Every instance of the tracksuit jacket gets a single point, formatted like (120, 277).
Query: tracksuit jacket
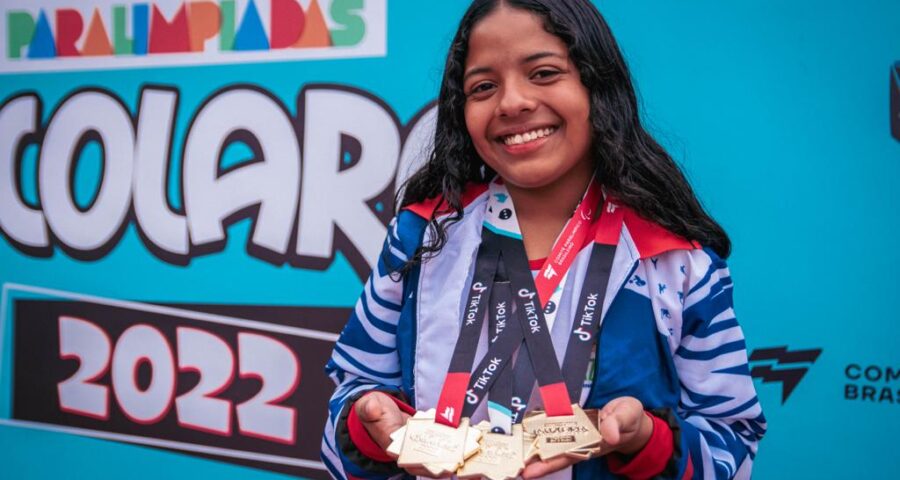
(668, 337)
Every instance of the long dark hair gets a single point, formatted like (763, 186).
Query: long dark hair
(631, 164)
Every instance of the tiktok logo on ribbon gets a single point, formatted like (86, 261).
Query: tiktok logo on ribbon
(583, 334)
(518, 406)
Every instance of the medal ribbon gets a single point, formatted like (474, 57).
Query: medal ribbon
(586, 323)
(503, 343)
(501, 232)
(533, 294)
(502, 326)
(450, 402)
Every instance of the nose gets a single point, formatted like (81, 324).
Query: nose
(515, 98)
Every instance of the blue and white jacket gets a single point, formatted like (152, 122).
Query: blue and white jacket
(668, 337)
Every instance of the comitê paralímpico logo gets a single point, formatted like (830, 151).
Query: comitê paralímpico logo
(45, 35)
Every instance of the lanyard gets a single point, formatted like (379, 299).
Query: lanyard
(586, 324)
(531, 297)
(452, 394)
(505, 335)
(534, 328)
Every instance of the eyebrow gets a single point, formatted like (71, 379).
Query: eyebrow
(528, 59)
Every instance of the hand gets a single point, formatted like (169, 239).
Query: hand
(538, 468)
(381, 417)
(624, 426)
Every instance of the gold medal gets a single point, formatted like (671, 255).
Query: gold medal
(438, 448)
(559, 435)
(593, 415)
(500, 457)
(530, 448)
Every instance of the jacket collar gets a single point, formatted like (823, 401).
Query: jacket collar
(647, 239)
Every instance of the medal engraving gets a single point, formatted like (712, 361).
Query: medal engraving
(472, 446)
(593, 415)
(561, 434)
(500, 456)
(438, 448)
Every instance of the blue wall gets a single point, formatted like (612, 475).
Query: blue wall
(778, 112)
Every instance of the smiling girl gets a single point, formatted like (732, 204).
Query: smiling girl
(540, 155)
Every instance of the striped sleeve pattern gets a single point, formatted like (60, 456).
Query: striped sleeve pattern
(718, 415)
(721, 417)
(365, 356)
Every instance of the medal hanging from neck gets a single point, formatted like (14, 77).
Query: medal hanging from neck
(563, 427)
(503, 445)
(440, 440)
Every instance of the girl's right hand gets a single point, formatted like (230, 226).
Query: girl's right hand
(381, 417)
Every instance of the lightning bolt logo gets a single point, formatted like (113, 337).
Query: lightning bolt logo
(797, 361)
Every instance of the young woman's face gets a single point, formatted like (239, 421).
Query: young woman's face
(526, 108)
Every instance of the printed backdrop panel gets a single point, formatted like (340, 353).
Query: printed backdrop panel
(192, 194)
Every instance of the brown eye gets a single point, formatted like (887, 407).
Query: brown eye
(546, 74)
(481, 88)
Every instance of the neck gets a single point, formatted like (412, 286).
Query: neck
(543, 212)
(548, 203)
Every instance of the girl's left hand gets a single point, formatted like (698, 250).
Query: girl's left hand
(624, 426)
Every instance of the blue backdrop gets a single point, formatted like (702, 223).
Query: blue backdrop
(779, 112)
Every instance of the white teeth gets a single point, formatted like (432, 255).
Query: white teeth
(531, 136)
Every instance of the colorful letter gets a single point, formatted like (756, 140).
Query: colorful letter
(346, 13)
(226, 28)
(251, 35)
(122, 45)
(20, 29)
(315, 32)
(97, 42)
(287, 23)
(169, 37)
(140, 24)
(69, 26)
(203, 23)
(42, 44)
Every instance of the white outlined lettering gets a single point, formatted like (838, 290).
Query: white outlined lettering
(341, 201)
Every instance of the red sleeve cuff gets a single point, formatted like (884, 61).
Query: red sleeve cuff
(361, 438)
(650, 460)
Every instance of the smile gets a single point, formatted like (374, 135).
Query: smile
(526, 137)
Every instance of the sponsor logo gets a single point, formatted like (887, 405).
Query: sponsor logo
(550, 272)
(586, 214)
(872, 383)
(449, 413)
(102, 34)
(779, 365)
